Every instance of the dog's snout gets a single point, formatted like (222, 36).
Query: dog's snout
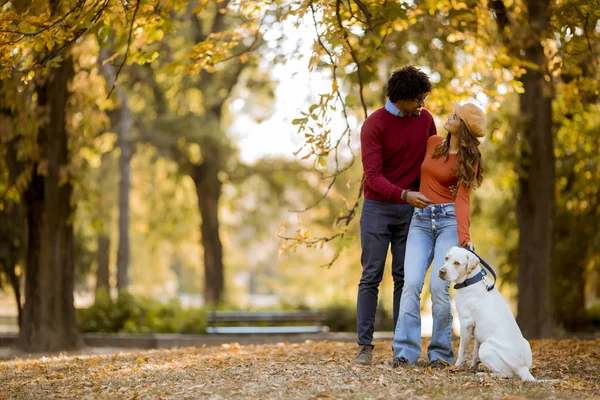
(442, 272)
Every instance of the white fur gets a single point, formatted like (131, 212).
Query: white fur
(486, 316)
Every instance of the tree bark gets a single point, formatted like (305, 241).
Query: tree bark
(123, 252)
(102, 258)
(12, 219)
(208, 188)
(49, 322)
(122, 120)
(535, 204)
(9, 267)
(15, 283)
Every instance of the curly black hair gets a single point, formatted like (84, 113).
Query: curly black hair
(407, 83)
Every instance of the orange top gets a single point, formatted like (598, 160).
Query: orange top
(437, 176)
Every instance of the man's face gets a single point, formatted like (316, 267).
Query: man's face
(412, 106)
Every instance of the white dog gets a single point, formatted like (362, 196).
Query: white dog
(485, 315)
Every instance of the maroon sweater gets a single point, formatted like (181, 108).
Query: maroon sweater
(393, 149)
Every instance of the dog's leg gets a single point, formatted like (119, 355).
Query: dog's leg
(524, 374)
(492, 359)
(465, 338)
(476, 359)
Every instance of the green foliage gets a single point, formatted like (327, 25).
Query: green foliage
(341, 318)
(134, 314)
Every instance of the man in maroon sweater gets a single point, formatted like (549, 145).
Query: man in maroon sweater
(393, 141)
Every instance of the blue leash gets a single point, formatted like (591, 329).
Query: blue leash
(480, 276)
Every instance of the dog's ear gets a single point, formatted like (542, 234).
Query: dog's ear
(473, 261)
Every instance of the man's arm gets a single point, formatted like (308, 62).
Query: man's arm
(372, 159)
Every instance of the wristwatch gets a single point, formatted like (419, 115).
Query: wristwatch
(404, 194)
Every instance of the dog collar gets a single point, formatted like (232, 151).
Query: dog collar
(473, 280)
(481, 276)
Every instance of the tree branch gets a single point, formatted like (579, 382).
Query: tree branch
(137, 6)
(585, 25)
(365, 12)
(79, 4)
(354, 57)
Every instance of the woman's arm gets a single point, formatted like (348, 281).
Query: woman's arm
(463, 212)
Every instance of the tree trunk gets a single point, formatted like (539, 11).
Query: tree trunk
(49, 322)
(102, 258)
(122, 119)
(12, 219)
(123, 252)
(537, 184)
(15, 283)
(9, 267)
(208, 188)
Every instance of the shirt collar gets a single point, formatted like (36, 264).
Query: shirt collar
(392, 109)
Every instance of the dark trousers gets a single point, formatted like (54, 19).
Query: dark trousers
(381, 225)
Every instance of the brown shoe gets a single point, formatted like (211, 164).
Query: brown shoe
(438, 364)
(364, 354)
(399, 362)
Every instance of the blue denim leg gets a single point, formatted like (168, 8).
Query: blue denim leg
(398, 250)
(433, 230)
(419, 252)
(381, 224)
(440, 346)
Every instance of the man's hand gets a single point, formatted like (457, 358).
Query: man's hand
(470, 246)
(417, 199)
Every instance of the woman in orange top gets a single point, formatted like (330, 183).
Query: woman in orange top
(453, 161)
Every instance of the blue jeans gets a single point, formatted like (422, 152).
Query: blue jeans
(381, 225)
(432, 232)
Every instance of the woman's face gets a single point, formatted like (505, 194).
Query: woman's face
(452, 124)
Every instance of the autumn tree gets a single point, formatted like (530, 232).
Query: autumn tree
(576, 72)
(36, 41)
(190, 128)
(496, 44)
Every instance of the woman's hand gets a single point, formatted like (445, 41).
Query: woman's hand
(470, 246)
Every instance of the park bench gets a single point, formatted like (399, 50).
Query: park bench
(266, 322)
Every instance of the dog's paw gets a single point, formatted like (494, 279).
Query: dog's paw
(454, 368)
(474, 367)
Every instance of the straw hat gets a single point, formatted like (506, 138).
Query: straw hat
(473, 117)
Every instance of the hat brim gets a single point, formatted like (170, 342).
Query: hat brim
(457, 108)
(460, 112)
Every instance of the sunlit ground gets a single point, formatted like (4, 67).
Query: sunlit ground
(307, 370)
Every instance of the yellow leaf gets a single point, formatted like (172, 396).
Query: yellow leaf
(39, 46)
